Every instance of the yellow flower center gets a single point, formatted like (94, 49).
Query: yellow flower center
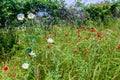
(21, 17)
(31, 16)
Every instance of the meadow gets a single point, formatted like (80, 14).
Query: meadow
(65, 52)
(43, 41)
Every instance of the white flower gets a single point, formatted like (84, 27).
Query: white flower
(20, 16)
(50, 40)
(25, 65)
(32, 53)
(31, 16)
(93, 38)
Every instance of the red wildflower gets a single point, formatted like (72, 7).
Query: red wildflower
(78, 31)
(66, 35)
(86, 37)
(48, 47)
(75, 51)
(50, 32)
(86, 51)
(99, 35)
(92, 30)
(5, 69)
(118, 46)
(14, 76)
(53, 43)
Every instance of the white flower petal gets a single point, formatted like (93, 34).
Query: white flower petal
(32, 53)
(25, 65)
(20, 16)
(31, 16)
(50, 40)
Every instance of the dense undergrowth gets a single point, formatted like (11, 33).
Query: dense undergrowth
(80, 14)
(61, 47)
(85, 53)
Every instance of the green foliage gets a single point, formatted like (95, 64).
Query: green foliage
(102, 12)
(98, 11)
(8, 41)
(115, 9)
(76, 54)
(31, 74)
(10, 8)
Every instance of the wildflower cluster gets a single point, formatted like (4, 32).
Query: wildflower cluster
(79, 46)
(30, 53)
(22, 16)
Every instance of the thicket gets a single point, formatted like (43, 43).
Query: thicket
(96, 12)
(103, 12)
(10, 8)
(8, 43)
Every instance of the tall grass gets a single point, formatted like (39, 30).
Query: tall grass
(85, 53)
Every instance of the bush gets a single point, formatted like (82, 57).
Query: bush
(115, 9)
(8, 39)
(10, 8)
(102, 12)
(98, 11)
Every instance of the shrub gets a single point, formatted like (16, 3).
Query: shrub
(102, 12)
(8, 39)
(98, 11)
(10, 8)
(115, 9)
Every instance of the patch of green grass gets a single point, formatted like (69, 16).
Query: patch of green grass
(77, 54)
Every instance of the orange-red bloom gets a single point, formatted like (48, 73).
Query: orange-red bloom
(75, 51)
(14, 76)
(118, 46)
(66, 35)
(78, 31)
(86, 37)
(50, 32)
(99, 35)
(92, 30)
(48, 47)
(5, 69)
(86, 51)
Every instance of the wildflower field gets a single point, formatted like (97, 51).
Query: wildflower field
(65, 47)
(65, 53)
